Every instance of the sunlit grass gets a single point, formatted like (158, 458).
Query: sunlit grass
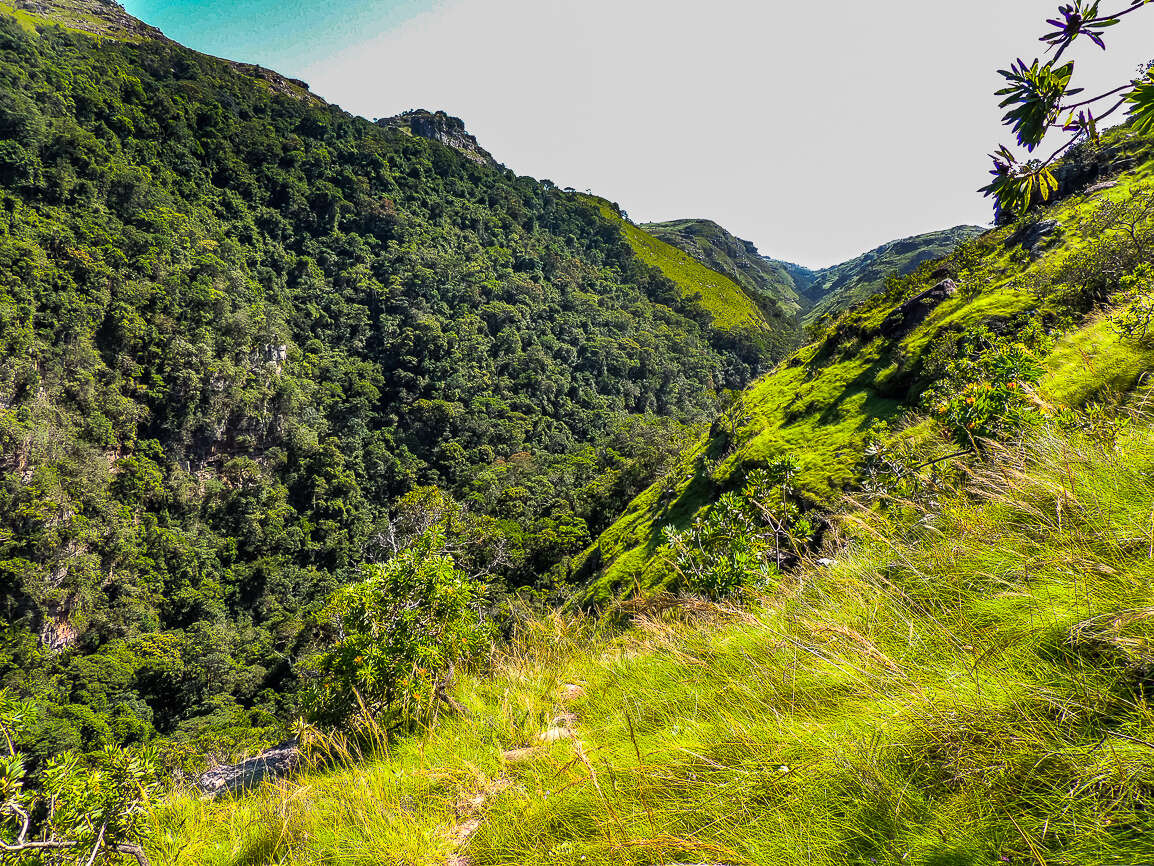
(967, 685)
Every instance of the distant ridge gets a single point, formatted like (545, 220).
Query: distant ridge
(805, 292)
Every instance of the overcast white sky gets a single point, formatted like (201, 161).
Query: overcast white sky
(816, 130)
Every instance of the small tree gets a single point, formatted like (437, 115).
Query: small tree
(1133, 320)
(401, 632)
(1038, 100)
(744, 538)
(96, 814)
(1130, 216)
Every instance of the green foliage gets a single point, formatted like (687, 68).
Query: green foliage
(989, 390)
(97, 809)
(1035, 92)
(1141, 101)
(1134, 317)
(237, 327)
(402, 630)
(1018, 186)
(1035, 97)
(743, 539)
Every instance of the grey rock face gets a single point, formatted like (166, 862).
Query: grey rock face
(1034, 237)
(283, 760)
(915, 311)
(440, 127)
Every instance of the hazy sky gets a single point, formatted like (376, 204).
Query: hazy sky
(816, 130)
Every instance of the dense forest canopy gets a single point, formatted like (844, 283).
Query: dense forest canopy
(238, 326)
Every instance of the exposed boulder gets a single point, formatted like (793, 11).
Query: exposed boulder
(1035, 236)
(915, 311)
(282, 760)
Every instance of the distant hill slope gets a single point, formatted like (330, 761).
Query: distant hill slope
(830, 290)
(732, 303)
(799, 291)
(767, 281)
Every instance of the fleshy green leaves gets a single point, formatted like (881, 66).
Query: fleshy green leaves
(1035, 97)
(1078, 19)
(1141, 100)
(1017, 185)
(1036, 93)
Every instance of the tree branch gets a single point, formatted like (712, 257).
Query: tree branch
(134, 851)
(25, 823)
(1125, 86)
(96, 847)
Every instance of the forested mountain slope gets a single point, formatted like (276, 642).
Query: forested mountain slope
(955, 673)
(738, 307)
(237, 325)
(987, 314)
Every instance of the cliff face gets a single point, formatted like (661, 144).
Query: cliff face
(440, 127)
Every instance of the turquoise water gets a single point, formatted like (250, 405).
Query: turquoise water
(287, 35)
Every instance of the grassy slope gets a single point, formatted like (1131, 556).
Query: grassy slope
(819, 404)
(969, 688)
(709, 243)
(725, 300)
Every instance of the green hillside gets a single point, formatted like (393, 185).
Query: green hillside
(765, 280)
(363, 502)
(819, 405)
(964, 686)
(246, 337)
(732, 305)
(802, 292)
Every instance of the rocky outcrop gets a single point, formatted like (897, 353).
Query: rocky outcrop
(440, 127)
(915, 311)
(57, 633)
(1034, 236)
(280, 761)
(99, 17)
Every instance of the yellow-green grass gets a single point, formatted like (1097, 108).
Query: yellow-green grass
(723, 298)
(25, 19)
(966, 686)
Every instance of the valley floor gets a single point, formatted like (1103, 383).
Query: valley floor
(967, 684)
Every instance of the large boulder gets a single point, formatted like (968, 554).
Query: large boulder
(914, 311)
(282, 760)
(1034, 236)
